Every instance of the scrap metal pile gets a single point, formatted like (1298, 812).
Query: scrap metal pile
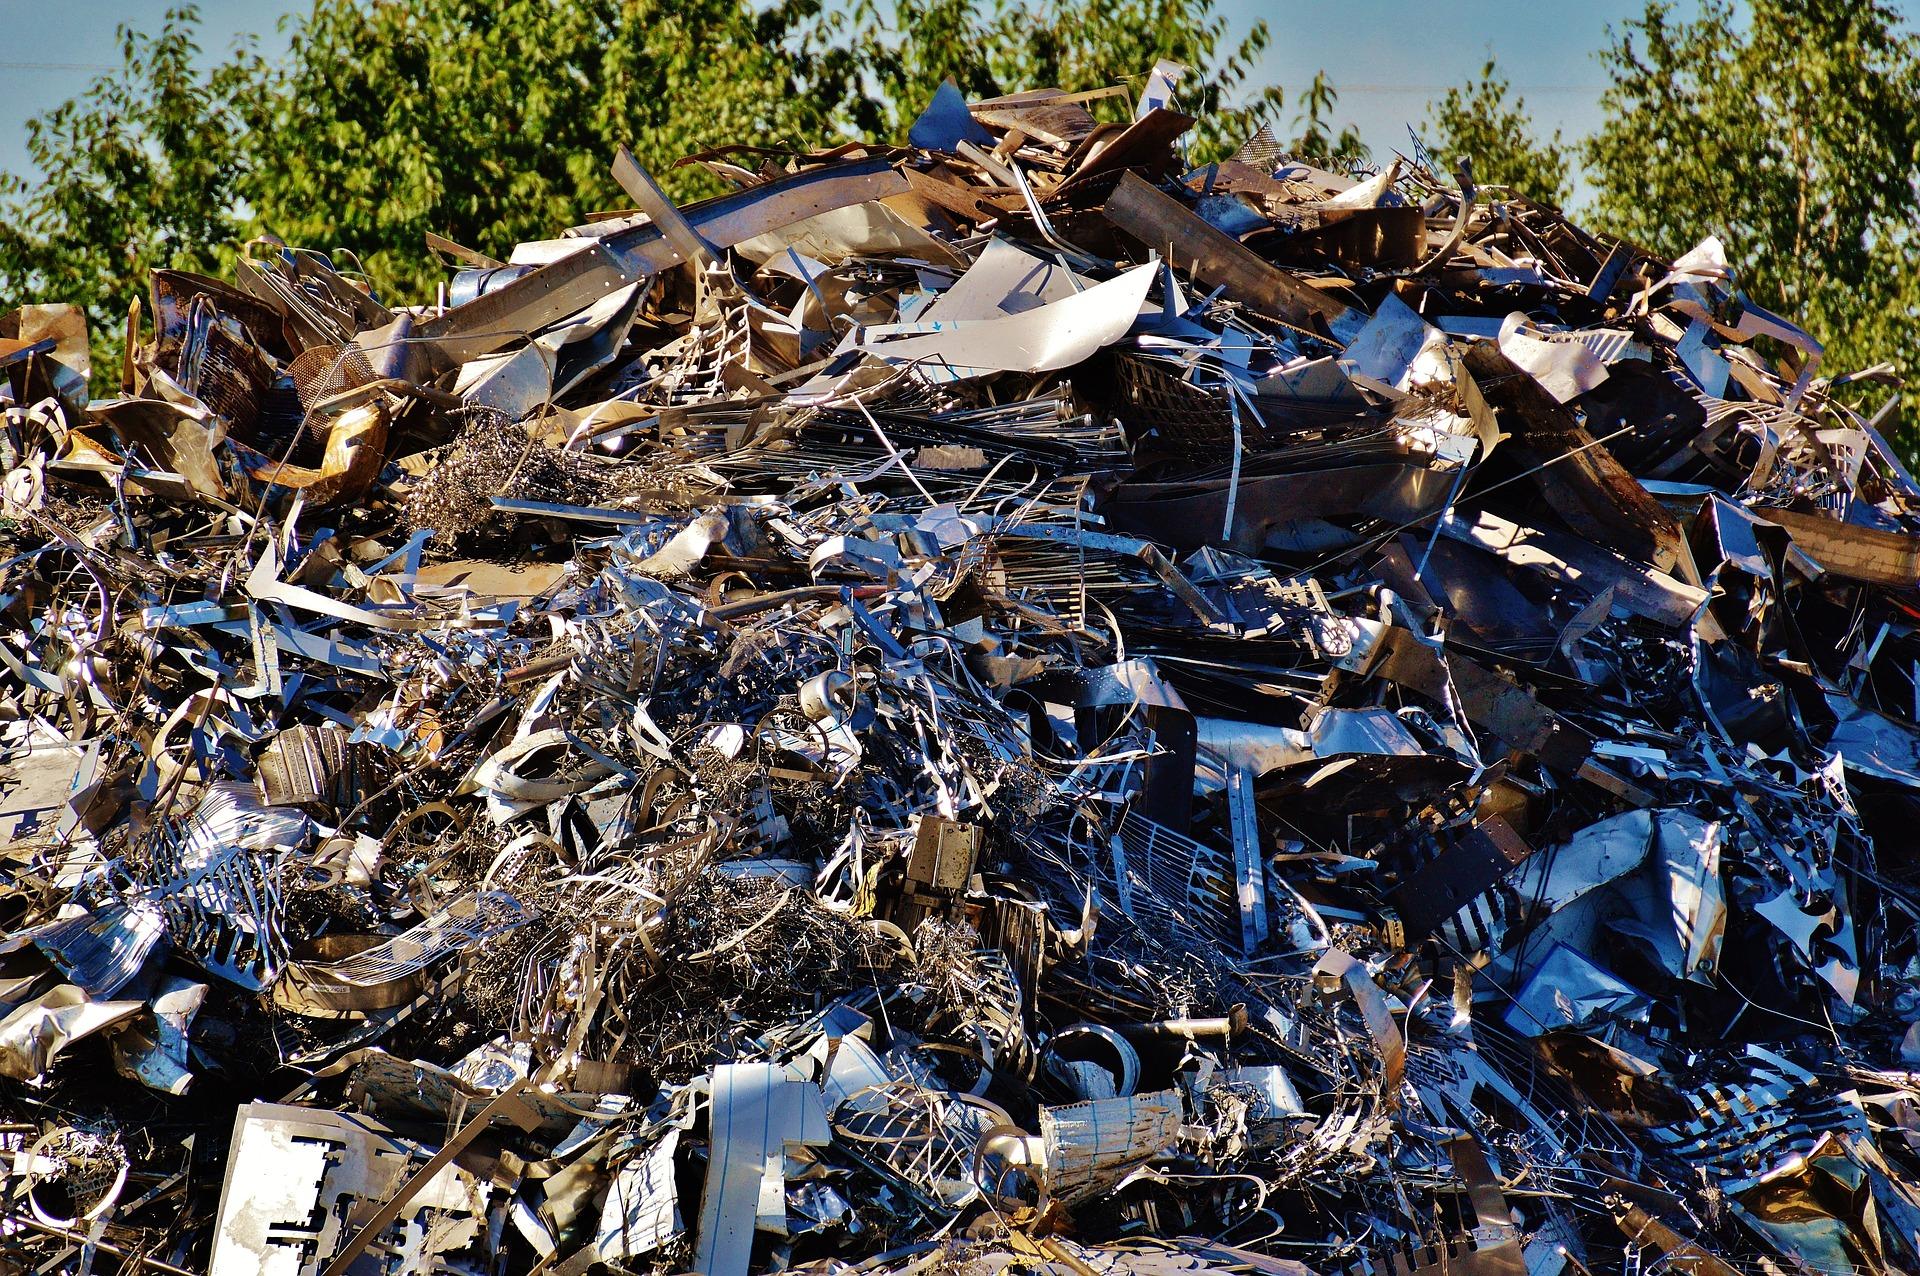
(1007, 703)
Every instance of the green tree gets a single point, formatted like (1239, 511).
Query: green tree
(1315, 140)
(1794, 136)
(1479, 121)
(135, 173)
(494, 123)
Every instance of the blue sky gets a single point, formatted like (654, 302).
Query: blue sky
(1388, 58)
